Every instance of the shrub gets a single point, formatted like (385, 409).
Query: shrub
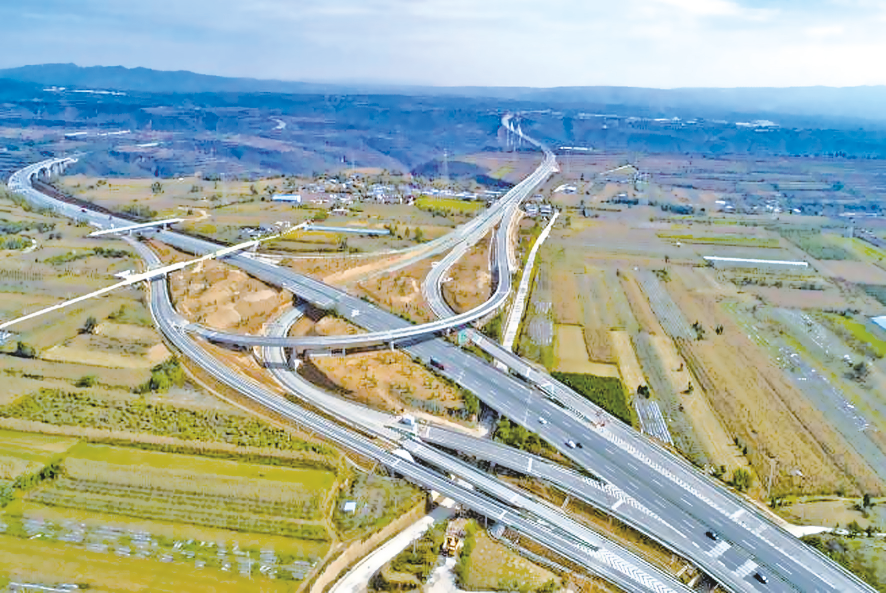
(421, 558)
(742, 479)
(164, 376)
(139, 211)
(23, 350)
(57, 407)
(86, 381)
(89, 326)
(14, 243)
(518, 437)
(464, 559)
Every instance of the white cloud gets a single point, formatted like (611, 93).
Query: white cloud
(825, 31)
(664, 43)
(719, 8)
(705, 7)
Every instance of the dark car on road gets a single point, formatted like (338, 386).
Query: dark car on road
(712, 534)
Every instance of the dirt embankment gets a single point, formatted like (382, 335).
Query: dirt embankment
(222, 297)
(469, 282)
(388, 380)
(338, 271)
(400, 292)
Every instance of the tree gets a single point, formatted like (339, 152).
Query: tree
(859, 371)
(86, 381)
(549, 586)
(156, 187)
(866, 501)
(418, 235)
(644, 391)
(742, 479)
(472, 405)
(699, 330)
(23, 350)
(89, 326)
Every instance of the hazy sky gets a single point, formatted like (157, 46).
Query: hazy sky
(657, 43)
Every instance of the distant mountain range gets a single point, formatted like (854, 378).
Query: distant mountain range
(843, 107)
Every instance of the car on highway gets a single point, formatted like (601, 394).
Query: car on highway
(437, 364)
(712, 534)
(571, 444)
(542, 421)
(761, 577)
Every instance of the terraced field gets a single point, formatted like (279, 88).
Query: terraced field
(189, 489)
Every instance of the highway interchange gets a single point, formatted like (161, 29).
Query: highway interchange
(680, 503)
(591, 551)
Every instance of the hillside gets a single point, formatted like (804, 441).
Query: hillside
(842, 107)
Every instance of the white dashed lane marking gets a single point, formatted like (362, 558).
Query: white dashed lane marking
(745, 569)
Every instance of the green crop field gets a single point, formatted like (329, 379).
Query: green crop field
(308, 479)
(379, 501)
(724, 240)
(190, 489)
(875, 290)
(816, 244)
(54, 406)
(448, 204)
(23, 452)
(136, 508)
(857, 335)
(606, 392)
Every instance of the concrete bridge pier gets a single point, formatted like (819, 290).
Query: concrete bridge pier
(294, 358)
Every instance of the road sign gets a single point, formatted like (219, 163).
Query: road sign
(463, 338)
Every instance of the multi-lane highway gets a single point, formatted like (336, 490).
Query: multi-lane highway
(602, 557)
(463, 239)
(660, 481)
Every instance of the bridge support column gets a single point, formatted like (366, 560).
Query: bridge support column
(293, 359)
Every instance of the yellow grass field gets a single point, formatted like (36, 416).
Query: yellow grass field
(571, 354)
(471, 283)
(387, 380)
(24, 452)
(493, 566)
(706, 425)
(628, 365)
(93, 351)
